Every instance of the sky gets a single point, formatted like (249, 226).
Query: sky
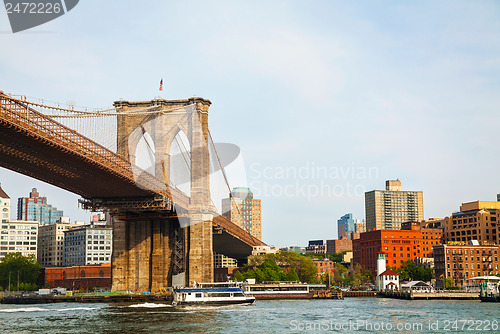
(326, 99)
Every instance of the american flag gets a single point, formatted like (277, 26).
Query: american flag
(161, 85)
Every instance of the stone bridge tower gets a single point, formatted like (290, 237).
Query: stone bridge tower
(155, 248)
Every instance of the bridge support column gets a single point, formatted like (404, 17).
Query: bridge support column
(201, 260)
(142, 255)
(201, 265)
(119, 268)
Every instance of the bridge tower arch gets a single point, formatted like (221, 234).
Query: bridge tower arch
(145, 254)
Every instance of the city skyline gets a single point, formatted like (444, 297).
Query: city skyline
(339, 97)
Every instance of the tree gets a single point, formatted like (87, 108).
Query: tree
(238, 276)
(360, 276)
(341, 274)
(449, 283)
(416, 272)
(268, 267)
(24, 267)
(266, 271)
(292, 276)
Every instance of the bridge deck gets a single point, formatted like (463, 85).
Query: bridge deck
(36, 145)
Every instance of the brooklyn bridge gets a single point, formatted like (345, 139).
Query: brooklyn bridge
(120, 160)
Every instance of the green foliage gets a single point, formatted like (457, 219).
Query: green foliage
(24, 267)
(292, 276)
(269, 267)
(449, 283)
(28, 287)
(238, 276)
(360, 276)
(409, 270)
(266, 271)
(341, 274)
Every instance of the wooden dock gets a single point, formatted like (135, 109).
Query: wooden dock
(328, 295)
(360, 294)
(447, 294)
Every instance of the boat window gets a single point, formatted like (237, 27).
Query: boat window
(219, 294)
(198, 295)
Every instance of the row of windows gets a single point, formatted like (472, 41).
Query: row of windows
(472, 273)
(18, 243)
(11, 237)
(468, 232)
(17, 248)
(472, 258)
(96, 242)
(459, 251)
(485, 266)
(19, 227)
(18, 233)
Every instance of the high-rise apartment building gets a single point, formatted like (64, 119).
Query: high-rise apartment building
(243, 210)
(88, 245)
(346, 225)
(18, 237)
(476, 221)
(387, 209)
(35, 208)
(51, 243)
(359, 226)
(4, 206)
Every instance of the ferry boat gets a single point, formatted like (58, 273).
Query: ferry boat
(489, 288)
(282, 290)
(211, 294)
(490, 292)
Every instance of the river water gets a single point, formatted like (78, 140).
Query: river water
(351, 315)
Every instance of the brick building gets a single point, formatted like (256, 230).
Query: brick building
(224, 274)
(476, 221)
(460, 262)
(399, 246)
(78, 277)
(325, 265)
(337, 246)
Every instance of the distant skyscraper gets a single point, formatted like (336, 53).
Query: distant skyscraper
(4, 206)
(498, 197)
(243, 210)
(387, 209)
(35, 208)
(359, 225)
(346, 226)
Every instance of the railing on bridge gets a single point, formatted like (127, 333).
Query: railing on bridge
(17, 113)
(236, 231)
